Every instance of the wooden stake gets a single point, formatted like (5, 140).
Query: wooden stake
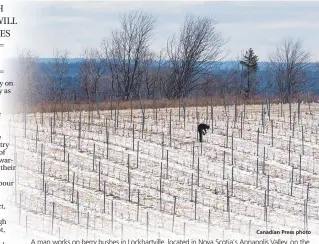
(73, 187)
(104, 197)
(292, 179)
(52, 216)
(174, 212)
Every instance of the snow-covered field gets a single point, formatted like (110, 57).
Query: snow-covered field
(84, 176)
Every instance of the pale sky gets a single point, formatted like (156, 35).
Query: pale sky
(75, 25)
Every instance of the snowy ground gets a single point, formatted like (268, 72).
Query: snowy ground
(143, 184)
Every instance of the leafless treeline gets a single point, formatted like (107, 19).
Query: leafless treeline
(289, 64)
(125, 67)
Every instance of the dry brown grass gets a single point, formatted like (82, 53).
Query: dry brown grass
(136, 104)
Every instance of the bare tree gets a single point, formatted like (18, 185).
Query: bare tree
(226, 82)
(127, 51)
(28, 75)
(289, 65)
(91, 71)
(57, 74)
(153, 76)
(192, 55)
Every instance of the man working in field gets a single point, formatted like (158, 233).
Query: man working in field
(201, 129)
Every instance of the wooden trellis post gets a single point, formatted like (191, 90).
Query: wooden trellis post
(64, 151)
(78, 206)
(161, 186)
(129, 177)
(53, 209)
(73, 187)
(137, 153)
(104, 196)
(45, 198)
(138, 204)
(174, 212)
(68, 167)
(195, 211)
(292, 180)
(133, 137)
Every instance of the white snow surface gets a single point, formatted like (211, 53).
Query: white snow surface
(140, 195)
